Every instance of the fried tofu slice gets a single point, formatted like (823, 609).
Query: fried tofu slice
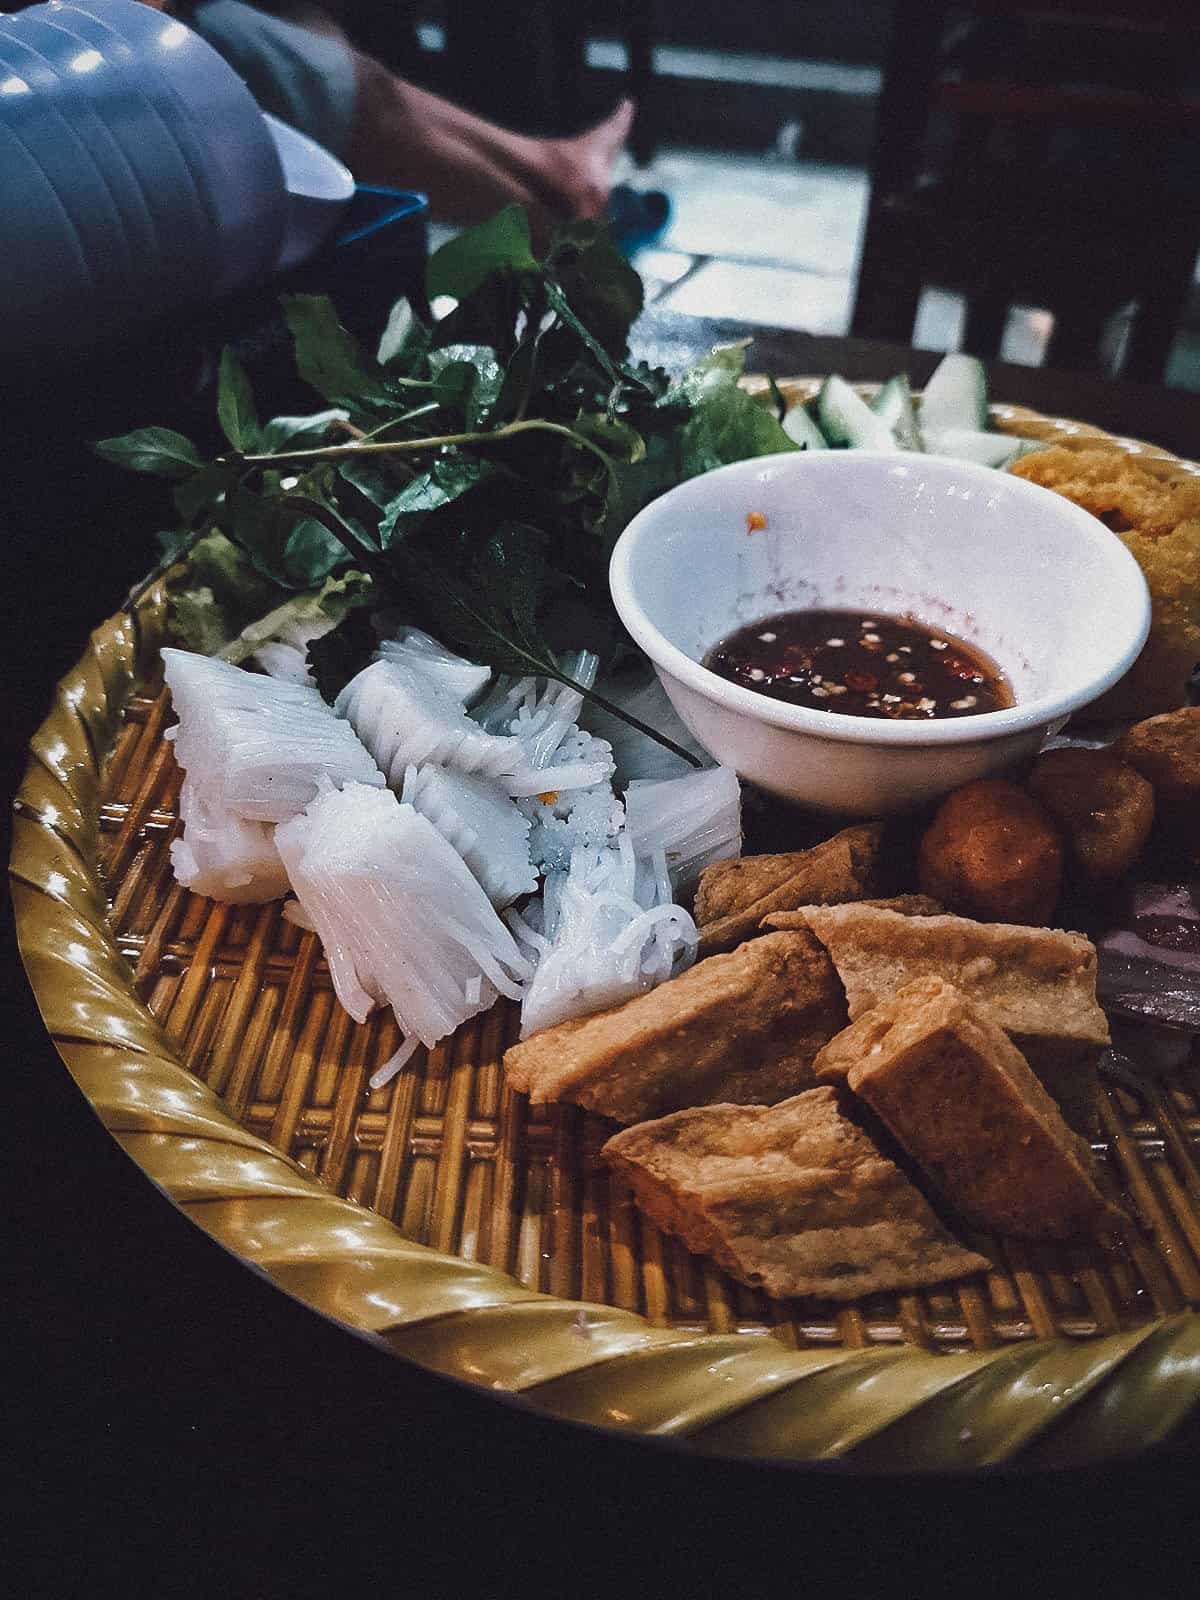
(1038, 984)
(908, 905)
(734, 896)
(962, 1100)
(794, 1199)
(741, 1027)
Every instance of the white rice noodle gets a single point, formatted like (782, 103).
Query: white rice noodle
(255, 745)
(286, 661)
(482, 824)
(563, 821)
(405, 719)
(542, 714)
(224, 856)
(463, 679)
(401, 918)
(395, 1063)
(695, 820)
(543, 718)
(601, 935)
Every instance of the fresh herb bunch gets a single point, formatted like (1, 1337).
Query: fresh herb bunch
(478, 469)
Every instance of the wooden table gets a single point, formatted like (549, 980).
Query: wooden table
(184, 1423)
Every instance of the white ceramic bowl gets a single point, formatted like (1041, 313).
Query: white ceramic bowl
(1039, 585)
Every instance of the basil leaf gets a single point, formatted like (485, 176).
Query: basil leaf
(235, 403)
(603, 289)
(160, 451)
(292, 550)
(474, 371)
(490, 611)
(462, 263)
(451, 476)
(370, 480)
(327, 355)
(203, 492)
(296, 432)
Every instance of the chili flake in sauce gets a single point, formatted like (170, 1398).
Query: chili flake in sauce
(862, 664)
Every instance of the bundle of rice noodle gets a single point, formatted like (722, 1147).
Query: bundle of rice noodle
(253, 750)
(482, 824)
(564, 819)
(566, 789)
(402, 920)
(695, 820)
(406, 719)
(463, 679)
(223, 855)
(256, 746)
(603, 931)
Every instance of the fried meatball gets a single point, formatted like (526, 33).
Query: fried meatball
(1166, 751)
(992, 853)
(1103, 807)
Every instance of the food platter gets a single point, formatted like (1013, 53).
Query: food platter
(482, 1238)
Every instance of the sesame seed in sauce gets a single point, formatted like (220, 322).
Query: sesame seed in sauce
(812, 657)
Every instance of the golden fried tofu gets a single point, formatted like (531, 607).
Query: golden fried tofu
(908, 905)
(1038, 984)
(735, 896)
(961, 1099)
(1157, 518)
(794, 1199)
(742, 1027)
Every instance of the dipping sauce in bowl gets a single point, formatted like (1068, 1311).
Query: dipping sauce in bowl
(862, 664)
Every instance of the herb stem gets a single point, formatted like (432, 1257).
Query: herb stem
(627, 716)
(337, 452)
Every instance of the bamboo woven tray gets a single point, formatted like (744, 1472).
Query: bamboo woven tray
(483, 1239)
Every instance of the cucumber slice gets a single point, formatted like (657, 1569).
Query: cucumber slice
(1029, 447)
(802, 430)
(955, 396)
(846, 419)
(972, 444)
(894, 405)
